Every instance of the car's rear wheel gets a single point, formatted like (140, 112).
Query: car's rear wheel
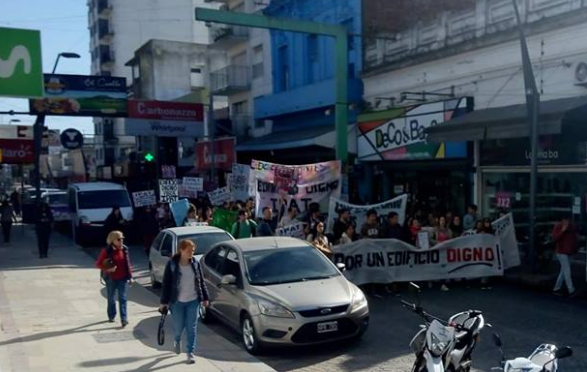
(250, 340)
(154, 283)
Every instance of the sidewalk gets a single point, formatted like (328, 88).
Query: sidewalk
(53, 318)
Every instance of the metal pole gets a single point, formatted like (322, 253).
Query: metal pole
(56, 62)
(38, 133)
(211, 134)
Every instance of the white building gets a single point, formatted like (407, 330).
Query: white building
(117, 29)
(475, 52)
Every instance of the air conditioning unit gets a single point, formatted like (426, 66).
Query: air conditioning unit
(581, 74)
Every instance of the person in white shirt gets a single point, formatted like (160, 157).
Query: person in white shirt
(290, 217)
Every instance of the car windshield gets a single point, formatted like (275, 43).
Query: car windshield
(57, 198)
(103, 199)
(278, 266)
(204, 242)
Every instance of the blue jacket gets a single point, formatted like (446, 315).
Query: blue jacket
(172, 277)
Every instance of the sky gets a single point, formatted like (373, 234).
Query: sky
(64, 28)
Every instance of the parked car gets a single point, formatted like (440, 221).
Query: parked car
(29, 197)
(165, 246)
(57, 200)
(282, 291)
(90, 203)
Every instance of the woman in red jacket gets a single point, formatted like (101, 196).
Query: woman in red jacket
(117, 273)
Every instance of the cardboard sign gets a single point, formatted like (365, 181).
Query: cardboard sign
(219, 196)
(193, 184)
(168, 171)
(295, 231)
(168, 191)
(144, 198)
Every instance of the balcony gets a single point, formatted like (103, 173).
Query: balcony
(223, 36)
(104, 29)
(106, 54)
(104, 6)
(230, 80)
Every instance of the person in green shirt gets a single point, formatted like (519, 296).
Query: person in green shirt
(244, 227)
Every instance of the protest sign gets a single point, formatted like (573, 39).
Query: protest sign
(219, 196)
(242, 182)
(144, 198)
(168, 191)
(283, 186)
(359, 212)
(193, 184)
(179, 209)
(185, 193)
(224, 219)
(295, 230)
(390, 260)
(506, 234)
(168, 171)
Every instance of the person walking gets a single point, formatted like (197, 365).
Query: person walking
(566, 240)
(184, 291)
(348, 236)
(114, 262)
(43, 229)
(114, 221)
(456, 228)
(15, 199)
(371, 229)
(393, 229)
(470, 218)
(320, 241)
(290, 217)
(7, 216)
(267, 225)
(244, 227)
(340, 225)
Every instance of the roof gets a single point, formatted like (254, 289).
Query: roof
(190, 230)
(509, 121)
(97, 186)
(259, 244)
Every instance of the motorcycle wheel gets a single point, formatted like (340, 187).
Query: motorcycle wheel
(419, 364)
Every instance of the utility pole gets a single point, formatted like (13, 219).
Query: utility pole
(211, 132)
(533, 106)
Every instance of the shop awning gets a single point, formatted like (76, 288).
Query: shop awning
(322, 136)
(510, 121)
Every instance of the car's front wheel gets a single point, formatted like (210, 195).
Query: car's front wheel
(250, 340)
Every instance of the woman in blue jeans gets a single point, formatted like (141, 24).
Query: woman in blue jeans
(184, 291)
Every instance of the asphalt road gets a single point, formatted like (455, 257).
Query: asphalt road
(525, 319)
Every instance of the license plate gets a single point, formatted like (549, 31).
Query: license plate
(327, 327)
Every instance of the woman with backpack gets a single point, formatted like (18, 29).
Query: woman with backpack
(184, 291)
(117, 274)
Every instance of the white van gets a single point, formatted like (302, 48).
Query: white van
(90, 203)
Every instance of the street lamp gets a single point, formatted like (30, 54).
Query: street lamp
(64, 55)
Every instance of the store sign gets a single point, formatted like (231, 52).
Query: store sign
(165, 119)
(17, 151)
(224, 154)
(72, 139)
(21, 65)
(78, 95)
(398, 134)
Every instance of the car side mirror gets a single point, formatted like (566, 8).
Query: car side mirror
(341, 266)
(228, 280)
(563, 352)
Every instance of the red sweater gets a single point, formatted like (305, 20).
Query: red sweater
(123, 270)
(566, 241)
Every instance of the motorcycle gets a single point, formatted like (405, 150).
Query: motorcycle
(543, 359)
(445, 345)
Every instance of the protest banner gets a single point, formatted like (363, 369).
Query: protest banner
(295, 231)
(168, 191)
(179, 210)
(219, 196)
(193, 184)
(389, 260)
(506, 234)
(359, 212)
(242, 183)
(144, 198)
(224, 219)
(283, 186)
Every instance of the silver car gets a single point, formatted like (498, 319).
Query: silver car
(281, 291)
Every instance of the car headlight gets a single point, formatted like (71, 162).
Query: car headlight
(271, 309)
(359, 300)
(437, 348)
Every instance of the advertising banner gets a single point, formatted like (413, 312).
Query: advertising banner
(390, 260)
(398, 134)
(16, 132)
(165, 119)
(242, 182)
(144, 198)
(296, 185)
(359, 212)
(17, 151)
(219, 196)
(21, 65)
(295, 231)
(168, 191)
(224, 219)
(224, 154)
(78, 95)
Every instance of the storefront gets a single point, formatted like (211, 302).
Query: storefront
(397, 159)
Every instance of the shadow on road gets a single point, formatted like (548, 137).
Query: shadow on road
(45, 335)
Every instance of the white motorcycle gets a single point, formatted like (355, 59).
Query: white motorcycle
(543, 359)
(445, 346)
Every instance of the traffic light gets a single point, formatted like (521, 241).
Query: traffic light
(149, 157)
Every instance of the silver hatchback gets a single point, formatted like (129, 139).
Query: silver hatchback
(281, 291)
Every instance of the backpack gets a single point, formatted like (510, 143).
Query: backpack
(238, 229)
